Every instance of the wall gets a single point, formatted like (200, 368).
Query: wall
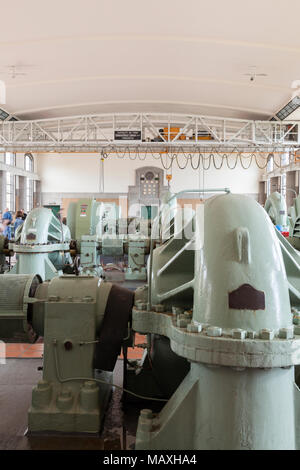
(69, 176)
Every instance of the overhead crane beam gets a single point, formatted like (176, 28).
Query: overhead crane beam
(147, 131)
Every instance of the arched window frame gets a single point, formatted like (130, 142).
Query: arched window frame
(29, 162)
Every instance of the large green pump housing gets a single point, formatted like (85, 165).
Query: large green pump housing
(239, 337)
(42, 245)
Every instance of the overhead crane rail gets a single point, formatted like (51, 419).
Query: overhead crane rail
(157, 132)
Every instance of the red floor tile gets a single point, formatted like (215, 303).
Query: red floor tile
(26, 351)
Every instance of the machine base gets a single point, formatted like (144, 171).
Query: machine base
(223, 408)
(69, 409)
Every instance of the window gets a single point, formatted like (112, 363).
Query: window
(288, 109)
(270, 164)
(28, 162)
(10, 191)
(10, 158)
(29, 194)
(3, 114)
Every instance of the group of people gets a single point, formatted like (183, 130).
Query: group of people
(10, 221)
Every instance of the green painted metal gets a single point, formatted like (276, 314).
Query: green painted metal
(291, 258)
(68, 312)
(275, 206)
(172, 270)
(96, 228)
(294, 218)
(42, 245)
(247, 243)
(83, 218)
(136, 260)
(16, 295)
(55, 209)
(239, 337)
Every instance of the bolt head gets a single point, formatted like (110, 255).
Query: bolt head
(187, 313)
(90, 385)
(192, 328)
(238, 333)
(297, 330)
(214, 331)
(286, 333)
(266, 334)
(251, 334)
(181, 323)
(141, 306)
(176, 310)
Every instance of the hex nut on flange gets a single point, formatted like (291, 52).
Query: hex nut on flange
(266, 334)
(238, 333)
(297, 330)
(286, 333)
(214, 331)
(141, 306)
(176, 310)
(192, 328)
(181, 323)
(251, 334)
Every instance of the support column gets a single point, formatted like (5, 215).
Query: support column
(37, 194)
(21, 194)
(290, 187)
(262, 195)
(2, 190)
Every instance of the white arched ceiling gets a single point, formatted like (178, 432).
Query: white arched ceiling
(90, 56)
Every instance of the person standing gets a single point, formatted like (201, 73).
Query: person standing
(7, 215)
(7, 225)
(18, 220)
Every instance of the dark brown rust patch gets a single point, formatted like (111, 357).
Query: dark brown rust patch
(247, 297)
